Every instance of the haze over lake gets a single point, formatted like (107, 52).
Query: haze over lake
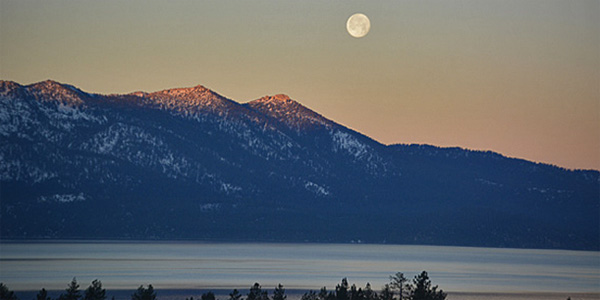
(193, 265)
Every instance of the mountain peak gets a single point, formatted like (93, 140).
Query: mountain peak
(281, 97)
(50, 89)
(276, 100)
(198, 90)
(10, 88)
(51, 85)
(7, 85)
(189, 99)
(288, 111)
(48, 82)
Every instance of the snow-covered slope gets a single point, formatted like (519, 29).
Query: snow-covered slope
(189, 163)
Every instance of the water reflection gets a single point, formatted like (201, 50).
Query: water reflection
(121, 265)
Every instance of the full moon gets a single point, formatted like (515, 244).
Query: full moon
(358, 25)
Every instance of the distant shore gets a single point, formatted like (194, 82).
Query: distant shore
(296, 294)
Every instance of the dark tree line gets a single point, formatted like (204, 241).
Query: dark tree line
(399, 288)
(72, 292)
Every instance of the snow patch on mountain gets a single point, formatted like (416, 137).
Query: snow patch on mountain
(489, 182)
(208, 207)
(348, 143)
(67, 116)
(11, 169)
(74, 113)
(16, 116)
(174, 166)
(229, 188)
(138, 147)
(317, 189)
(63, 198)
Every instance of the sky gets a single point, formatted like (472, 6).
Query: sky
(521, 78)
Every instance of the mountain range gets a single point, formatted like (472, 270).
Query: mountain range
(188, 163)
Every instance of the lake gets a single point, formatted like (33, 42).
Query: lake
(224, 266)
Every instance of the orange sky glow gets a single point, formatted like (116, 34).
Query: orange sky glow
(517, 77)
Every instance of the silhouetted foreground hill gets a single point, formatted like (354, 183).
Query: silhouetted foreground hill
(191, 164)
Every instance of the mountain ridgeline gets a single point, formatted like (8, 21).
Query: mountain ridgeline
(190, 164)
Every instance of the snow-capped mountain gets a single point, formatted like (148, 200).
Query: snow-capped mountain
(188, 163)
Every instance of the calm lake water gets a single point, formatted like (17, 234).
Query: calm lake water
(193, 265)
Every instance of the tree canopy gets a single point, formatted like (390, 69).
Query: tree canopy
(95, 291)
(398, 288)
(72, 291)
(143, 293)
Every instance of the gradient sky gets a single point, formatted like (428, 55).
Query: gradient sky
(518, 77)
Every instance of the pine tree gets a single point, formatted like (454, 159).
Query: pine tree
(341, 290)
(144, 293)
(356, 294)
(325, 295)
(235, 295)
(423, 290)
(279, 293)
(369, 293)
(256, 293)
(387, 293)
(6, 294)
(400, 284)
(95, 291)
(310, 295)
(208, 296)
(42, 295)
(72, 290)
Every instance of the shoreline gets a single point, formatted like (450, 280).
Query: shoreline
(296, 294)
